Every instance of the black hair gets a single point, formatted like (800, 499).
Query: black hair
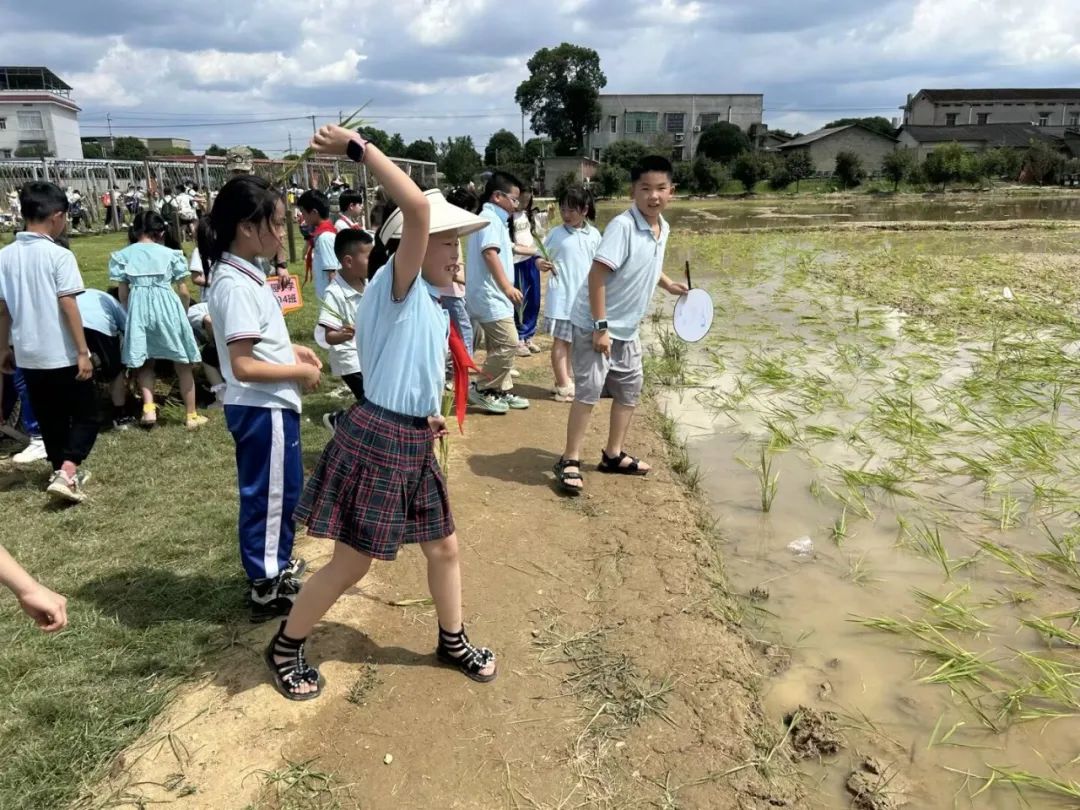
(463, 198)
(346, 242)
(651, 163)
(530, 212)
(578, 197)
(147, 223)
(381, 253)
(179, 188)
(245, 198)
(39, 200)
(503, 182)
(315, 200)
(348, 198)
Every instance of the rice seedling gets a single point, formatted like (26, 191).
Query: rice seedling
(1063, 556)
(951, 612)
(1010, 512)
(927, 541)
(1021, 780)
(839, 530)
(1013, 560)
(1051, 632)
(768, 481)
(859, 572)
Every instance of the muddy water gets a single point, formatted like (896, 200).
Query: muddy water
(817, 378)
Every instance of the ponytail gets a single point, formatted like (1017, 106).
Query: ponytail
(245, 198)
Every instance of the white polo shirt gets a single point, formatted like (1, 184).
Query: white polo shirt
(339, 309)
(243, 307)
(35, 273)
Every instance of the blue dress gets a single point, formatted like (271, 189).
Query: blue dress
(157, 328)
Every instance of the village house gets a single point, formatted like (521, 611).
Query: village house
(37, 116)
(824, 145)
(1056, 108)
(976, 137)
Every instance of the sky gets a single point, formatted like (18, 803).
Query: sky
(221, 72)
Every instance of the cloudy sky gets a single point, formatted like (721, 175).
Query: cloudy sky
(216, 71)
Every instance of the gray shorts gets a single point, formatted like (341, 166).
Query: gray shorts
(618, 375)
(559, 328)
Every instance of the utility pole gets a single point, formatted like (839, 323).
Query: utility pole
(290, 144)
(108, 117)
(522, 127)
(313, 129)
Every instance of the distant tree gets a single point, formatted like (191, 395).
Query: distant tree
(609, 180)
(291, 156)
(258, 154)
(1010, 161)
(129, 149)
(422, 150)
(781, 133)
(379, 137)
(213, 150)
(723, 142)
(750, 168)
(538, 149)
(1043, 163)
(395, 147)
(503, 148)
(948, 162)
(849, 169)
(93, 150)
(562, 93)
(168, 151)
(898, 165)
(624, 154)
(564, 182)
(684, 175)
(877, 123)
(706, 175)
(799, 165)
(36, 150)
(459, 160)
(780, 178)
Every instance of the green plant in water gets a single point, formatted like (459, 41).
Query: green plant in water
(839, 528)
(1014, 560)
(767, 479)
(927, 541)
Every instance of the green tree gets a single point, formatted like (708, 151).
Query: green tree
(258, 154)
(459, 160)
(625, 154)
(93, 150)
(538, 149)
(1011, 161)
(291, 157)
(781, 133)
(127, 148)
(609, 180)
(849, 169)
(563, 183)
(379, 137)
(395, 147)
(33, 150)
(562, 93)
(750, 168)
(503, 148)
(781, 176)
(706, 175)
(213, 150)
(683, 176)
(722, 141)
(898, 165)
(799, 165)
(948, 162)
(169, 151)
(1043, 163)
(422, 150)
(877, 123)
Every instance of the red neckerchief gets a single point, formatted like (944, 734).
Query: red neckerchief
(326, 226)
(462, 364)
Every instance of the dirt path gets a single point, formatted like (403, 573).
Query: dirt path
(620, 685)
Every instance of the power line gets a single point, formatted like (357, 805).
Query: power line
(208, 124)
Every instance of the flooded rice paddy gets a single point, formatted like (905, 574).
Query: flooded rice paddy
(887, 426)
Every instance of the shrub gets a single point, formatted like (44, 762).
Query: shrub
(750, 168)
(849, 169)
(706, 175)
(609, 180)
(898, 166)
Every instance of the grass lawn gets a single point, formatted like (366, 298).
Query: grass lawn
(151, 570)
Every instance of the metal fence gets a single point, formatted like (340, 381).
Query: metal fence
(155, 178)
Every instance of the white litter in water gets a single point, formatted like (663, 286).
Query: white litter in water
(802, 547)
(1007, 294)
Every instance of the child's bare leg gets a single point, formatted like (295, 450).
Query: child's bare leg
(560, 363)
(444, 582)
(576, 426)
(621, 416)
(186, 379)
(213, 376)
(145, 378)
(118, 391)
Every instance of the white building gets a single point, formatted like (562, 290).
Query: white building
(669, 120)
(37, 116)
(1057, 108)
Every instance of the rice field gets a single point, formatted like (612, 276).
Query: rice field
(909, 401)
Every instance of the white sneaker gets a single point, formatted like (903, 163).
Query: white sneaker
(35, 451)
(60, 489)
(515, 373)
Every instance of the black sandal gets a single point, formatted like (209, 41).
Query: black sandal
(564, 476)
(455, 650)
(615, 465)
(289, 675)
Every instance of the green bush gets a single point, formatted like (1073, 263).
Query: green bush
(750, 168)
(781, 177)
(898, 166)
(609, 180)
(849, 169)
(706, 175)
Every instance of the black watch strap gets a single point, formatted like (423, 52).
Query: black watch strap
(354, 150)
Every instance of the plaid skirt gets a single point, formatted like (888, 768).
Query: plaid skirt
(377, 485)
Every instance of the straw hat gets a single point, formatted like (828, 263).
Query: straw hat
(444, 217)
(238, 159)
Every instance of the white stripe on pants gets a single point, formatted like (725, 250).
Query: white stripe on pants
(275, 494)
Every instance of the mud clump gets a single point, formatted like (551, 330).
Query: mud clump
(813, 734)
(874, 786)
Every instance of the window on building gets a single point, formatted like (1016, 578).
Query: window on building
(982, 118)
(675, 122)
(29, 119)
(613, 124)
(5, 153)
(1044, 119)
(708, 119)
(1074, 120)
(950, 119)
(596, 153)
(641, 123)
(3, 123)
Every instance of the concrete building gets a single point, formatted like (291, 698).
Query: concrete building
(823, 146)
(1056, 108)
(37, 115)
(975, 138)
(159, 144)
(669, 121)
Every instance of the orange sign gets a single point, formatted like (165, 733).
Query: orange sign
(290, 298)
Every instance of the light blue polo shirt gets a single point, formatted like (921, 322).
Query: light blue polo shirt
(101, 312)
(483, 298)
(243, 307)
(636, 259)
(323, 262)
(572, 251)
(402, 345)
(35, 273)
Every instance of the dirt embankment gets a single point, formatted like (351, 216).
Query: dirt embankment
(620, 683)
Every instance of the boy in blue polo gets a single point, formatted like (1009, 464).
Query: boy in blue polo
(606, 350)
(490, 296)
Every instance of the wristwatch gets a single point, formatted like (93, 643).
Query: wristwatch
(354, 150)
(599, 326)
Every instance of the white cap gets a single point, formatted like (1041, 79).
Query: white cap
(444, 217)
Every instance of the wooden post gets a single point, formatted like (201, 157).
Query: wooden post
(114, 212)
(91, 190)
(290, 215)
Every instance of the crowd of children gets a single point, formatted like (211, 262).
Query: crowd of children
(392, 307)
